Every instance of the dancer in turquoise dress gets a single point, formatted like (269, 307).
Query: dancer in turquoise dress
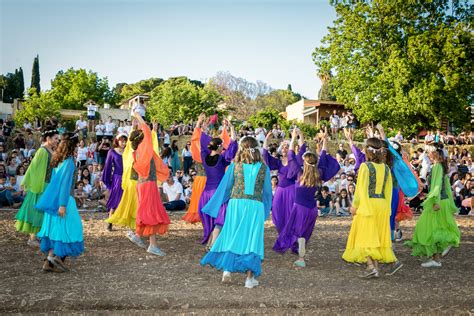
(246, 186)
(61, 232)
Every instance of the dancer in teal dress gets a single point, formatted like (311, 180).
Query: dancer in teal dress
(61, 233)
(247, 188)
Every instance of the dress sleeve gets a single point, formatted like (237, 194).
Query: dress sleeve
(127, 158)
(222, 193)
(294, 165)
(328, 166)
(36, 173)
(144, 153)
(66, 181)
(107, 174)
(196, 145)
(231, 151)
(267, 193)
(204, 141)
(272, 162)
(225, 138)
(434, 195)
(359, 157)
(299, 156)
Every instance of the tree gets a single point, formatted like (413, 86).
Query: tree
(326, 91)
(21, 79)
(277, 99)
(141, 87)
(12, 86)
(73, 88)
(181, 99)
(38, 106)
(405, 63)
(267, 117)
(35, 75)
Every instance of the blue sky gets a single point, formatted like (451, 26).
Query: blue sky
(130, 40)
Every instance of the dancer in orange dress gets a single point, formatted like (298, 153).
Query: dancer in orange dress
(152, 218)
(192, 215)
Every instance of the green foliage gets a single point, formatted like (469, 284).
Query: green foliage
(126, 91)
(12, 85)
(278, 99)
(182, 100)
(35, 76)
(38, 106)
(406, 64)
(73, 88)
(267, 117)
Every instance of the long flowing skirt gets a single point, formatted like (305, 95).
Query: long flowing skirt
(29, 219)
(300, 225)
(370, 237)
(116, 193)
(282, 205)
(435, 231)
(63, 234)
(126, 212)
(151, 215)
(192, 215)
(209, 222)
(239, 247)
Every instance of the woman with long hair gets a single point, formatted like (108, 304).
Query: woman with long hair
(126, 212)
(175, 163)
(34, 182)
(187, 158)
(369, 238)
(247, 188)
(300, 223)
(61, 233)
(436, 230)
(152, 218)
(214, 160)
(112, 174)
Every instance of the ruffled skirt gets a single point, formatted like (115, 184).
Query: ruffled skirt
(435, 231)
(300, 225)
(239, 247)
(63, 234)
(192, 215)
(151, 215)
(208, 222)
(126, 212)
(370, 237)
(282, 205)
(29, 219)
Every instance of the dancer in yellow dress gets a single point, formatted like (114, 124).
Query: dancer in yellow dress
(126, 212)
(369, 239)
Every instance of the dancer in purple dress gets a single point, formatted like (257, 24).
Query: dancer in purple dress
(285, 192)
(214, 161)
(310, 173)
(112, 175)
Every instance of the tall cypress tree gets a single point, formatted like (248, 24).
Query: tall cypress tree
(35, 75)
(21, 82)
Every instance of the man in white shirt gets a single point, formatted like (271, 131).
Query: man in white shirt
(260, 133)
(334, 121)
(109, 128)
(81, 126)
(99, 131)
(91, 109)
(128, 126)
(175, 195)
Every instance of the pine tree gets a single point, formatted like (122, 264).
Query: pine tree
(35, 75)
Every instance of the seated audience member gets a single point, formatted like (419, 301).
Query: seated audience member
(324, 202)
(343, 203)
(80, 195)
(6, 195)
(174, 193)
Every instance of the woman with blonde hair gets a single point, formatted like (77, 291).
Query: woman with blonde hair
(246, 186)
(369, 238)
(300, 224)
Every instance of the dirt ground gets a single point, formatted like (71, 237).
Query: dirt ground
(115, 276)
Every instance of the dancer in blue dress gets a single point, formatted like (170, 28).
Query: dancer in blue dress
(247, 188)
(61, 232)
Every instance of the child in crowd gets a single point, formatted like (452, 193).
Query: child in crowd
(343, 203)
(80, 195)
(324, 202)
